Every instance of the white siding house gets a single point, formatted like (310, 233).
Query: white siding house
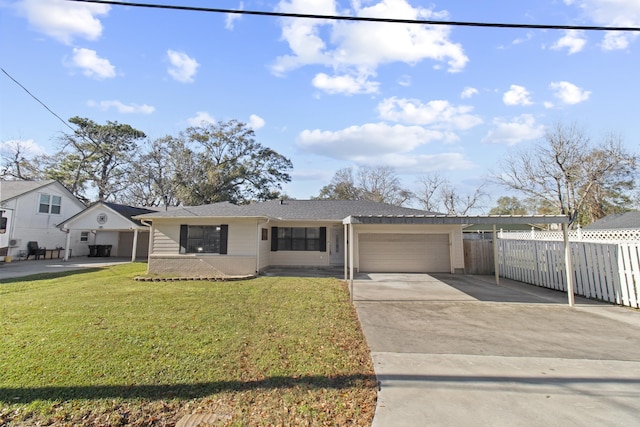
(33, 210)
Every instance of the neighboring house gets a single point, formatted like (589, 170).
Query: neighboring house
(624, 221)
(33, 210)
(111, 225)
(227, 239)
(485, 231)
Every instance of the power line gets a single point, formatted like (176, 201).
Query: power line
(362, 19)
(37, 99)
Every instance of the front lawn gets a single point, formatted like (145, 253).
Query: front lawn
(98, 348)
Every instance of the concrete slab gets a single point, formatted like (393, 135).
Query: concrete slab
(459, 350)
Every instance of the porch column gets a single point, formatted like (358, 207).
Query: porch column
(67, 245)
(135, 245)
(567, 264)
(351, 241)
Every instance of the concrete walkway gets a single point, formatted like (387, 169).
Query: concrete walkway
(9, 270)
(453, 350)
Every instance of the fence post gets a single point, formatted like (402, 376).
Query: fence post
(567, 264)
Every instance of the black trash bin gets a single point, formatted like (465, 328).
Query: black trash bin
(93, 250)
(107, 250)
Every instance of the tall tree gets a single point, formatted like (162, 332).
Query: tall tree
(342, 187)
(223, 162)
(95, 155)
(438, 194)
(568, 172)
(18, 163)
(506, 205)
(153, 176)
(378, 184)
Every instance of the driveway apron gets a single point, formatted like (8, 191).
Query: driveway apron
(455, 350)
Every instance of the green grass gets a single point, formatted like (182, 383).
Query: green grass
(97, 347)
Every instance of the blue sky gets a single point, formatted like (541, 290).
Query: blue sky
(326, 94)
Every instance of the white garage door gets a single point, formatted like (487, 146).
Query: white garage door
(404, 253)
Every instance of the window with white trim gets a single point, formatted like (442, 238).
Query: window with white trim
(84, 236)
(299, 239)
(50, 204)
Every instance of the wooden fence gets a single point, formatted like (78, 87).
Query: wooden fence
(605, 271)
(478, 257)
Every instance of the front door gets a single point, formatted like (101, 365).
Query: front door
(336, 246)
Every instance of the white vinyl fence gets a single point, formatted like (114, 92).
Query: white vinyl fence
(605, 267)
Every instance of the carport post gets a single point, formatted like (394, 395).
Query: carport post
(346, 256)
(496, 264)
(135, 245)
(567, 264)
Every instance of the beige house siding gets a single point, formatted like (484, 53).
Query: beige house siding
(300, 258)
(454, 231)
(239, 260)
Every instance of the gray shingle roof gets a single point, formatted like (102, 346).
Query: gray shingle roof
(129, 211)
(616, 221)
(11, 189)
(291, 210)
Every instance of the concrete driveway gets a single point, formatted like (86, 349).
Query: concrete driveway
(455, 350)
(16, 269)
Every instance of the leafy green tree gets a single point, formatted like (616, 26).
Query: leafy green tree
(508, 206)
(153, 176)
(378, 184)
(95, 157)
(223, 162)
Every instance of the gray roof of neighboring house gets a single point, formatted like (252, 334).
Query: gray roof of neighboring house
(11, 189)
(616, 221)
(129, 211)
(290, 210)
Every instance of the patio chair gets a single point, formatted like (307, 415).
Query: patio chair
(35, 250)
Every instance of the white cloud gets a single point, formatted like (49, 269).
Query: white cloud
(437, 113)
(573, 41)
(91, 64)
(256, 122)
(123, 108)
(359, 48)
(421, 163)
(357, 143)
(468, 92)
(201, 118)
(183, 68)
(28, 147)
(345, 84)
(618, 13)
(64, 20)
(568, 93)
(231, 18)
(517, 95)
(405, 80)
(616, 41)
(519, 129)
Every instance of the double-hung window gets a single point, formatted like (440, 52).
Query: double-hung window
(50, 204)
(299, 239)
(203, 239)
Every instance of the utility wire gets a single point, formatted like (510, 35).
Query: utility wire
(360, 18)
(64, 122)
